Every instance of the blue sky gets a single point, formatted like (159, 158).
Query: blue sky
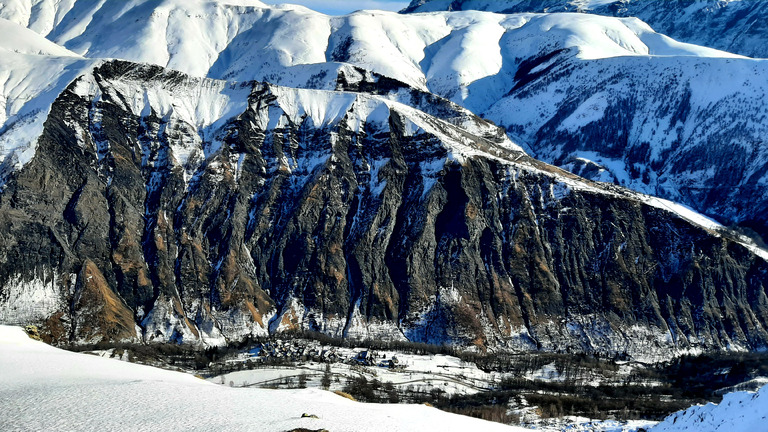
(341, 7)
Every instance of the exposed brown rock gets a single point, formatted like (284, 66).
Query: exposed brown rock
(291, 227)
(100, 313)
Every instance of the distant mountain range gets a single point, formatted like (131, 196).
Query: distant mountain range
(736, 26)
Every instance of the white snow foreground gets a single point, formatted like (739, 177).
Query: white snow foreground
(45, 388)
(738, 412)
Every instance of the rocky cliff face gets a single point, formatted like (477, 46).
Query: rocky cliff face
(236, 209)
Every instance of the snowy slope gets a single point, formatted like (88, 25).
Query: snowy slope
(52, 389)
(249, 40)
(687, 129)
(469, 57)
(505, 6)
(33, 71)
(22, 40)
(738, 412)
(733, 25)
(238, 40)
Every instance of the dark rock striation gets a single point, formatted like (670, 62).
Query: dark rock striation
(238, 209)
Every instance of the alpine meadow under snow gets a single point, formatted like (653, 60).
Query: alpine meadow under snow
(578, 179)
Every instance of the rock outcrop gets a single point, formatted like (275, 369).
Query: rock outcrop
(164, 207)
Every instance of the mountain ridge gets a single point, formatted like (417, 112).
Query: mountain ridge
(302, 215)
(531, 48)
(728, 25)
(162, 206)
(500, 84)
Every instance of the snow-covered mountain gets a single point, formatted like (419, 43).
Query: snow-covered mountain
(543, 77)
(247, 40)
(44, 388)
(233, 40)
(33, 71)
(685, 128)
(737, 26)
(184, 202)
(165, 207)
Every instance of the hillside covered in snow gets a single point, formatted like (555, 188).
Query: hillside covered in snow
(738, 412)
(44, 388)
(732, 25)
(55, 389)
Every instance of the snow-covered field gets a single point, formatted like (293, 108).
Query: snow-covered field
(414, 373)
(421, 373)
(44, 388)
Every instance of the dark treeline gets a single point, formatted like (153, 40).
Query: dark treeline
(648, 392)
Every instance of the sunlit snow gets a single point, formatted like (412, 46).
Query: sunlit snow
(44, 388)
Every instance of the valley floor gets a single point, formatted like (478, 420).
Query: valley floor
(45, 388)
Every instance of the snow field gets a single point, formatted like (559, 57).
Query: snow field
(421, 373)
(44, 388)
(738, 412)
